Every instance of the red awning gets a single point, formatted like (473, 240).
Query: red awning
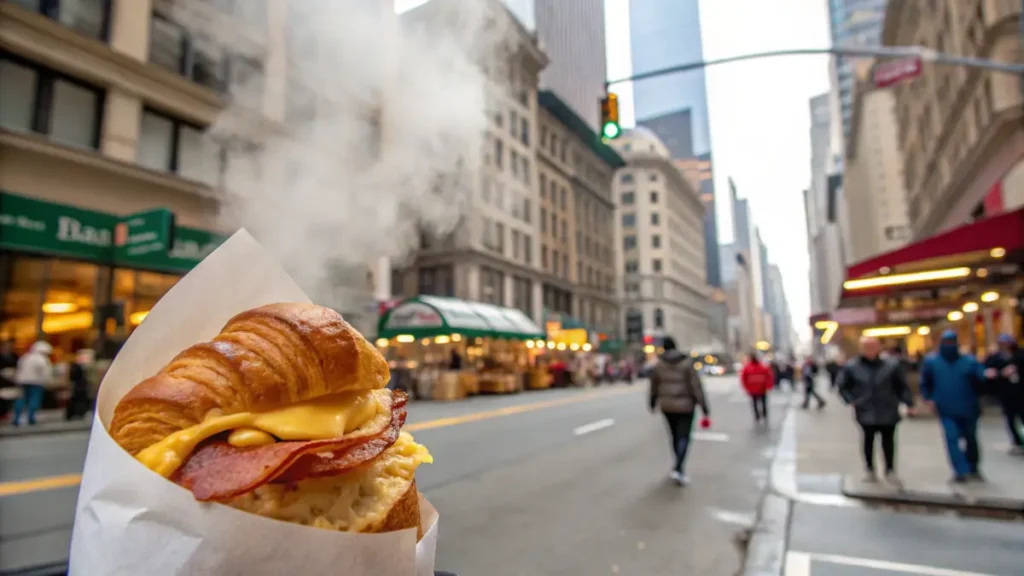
(1002, 231)
(968, 245)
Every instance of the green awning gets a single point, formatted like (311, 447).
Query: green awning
(426, 316)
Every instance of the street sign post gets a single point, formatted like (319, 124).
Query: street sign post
(893, 71)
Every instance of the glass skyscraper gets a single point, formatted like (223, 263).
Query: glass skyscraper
(665, 33)
(853, 23)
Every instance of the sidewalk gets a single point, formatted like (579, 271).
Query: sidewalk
(829, 444)
(47, 422)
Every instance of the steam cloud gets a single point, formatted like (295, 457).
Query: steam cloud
(384, 137)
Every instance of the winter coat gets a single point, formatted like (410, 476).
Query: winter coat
(875, 389)
(951, 384)
(1007, 388)
(35, 367)
(676, 385)
(757, 378)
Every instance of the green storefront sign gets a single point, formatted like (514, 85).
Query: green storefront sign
(140, 236)
(147, 240)
(36, 226)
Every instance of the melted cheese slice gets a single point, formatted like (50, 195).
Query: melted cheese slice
(318, 419)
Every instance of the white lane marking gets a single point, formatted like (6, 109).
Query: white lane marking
(834, 500)
(711, 436)
(799, 559)
(797, 564)
(593, 426)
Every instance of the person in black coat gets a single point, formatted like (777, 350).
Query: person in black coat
(79, 404)
(1003, 371)
(875, 387)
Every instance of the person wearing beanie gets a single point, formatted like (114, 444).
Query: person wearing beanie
(949, 382)
(676, 388)
(1003, 370)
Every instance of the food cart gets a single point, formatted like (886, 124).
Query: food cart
(447, 349)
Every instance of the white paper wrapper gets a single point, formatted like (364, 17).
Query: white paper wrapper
(132, 521)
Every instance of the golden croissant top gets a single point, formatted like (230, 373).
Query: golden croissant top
(263, 358)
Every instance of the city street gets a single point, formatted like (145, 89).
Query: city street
(556, 482)
(574, 482)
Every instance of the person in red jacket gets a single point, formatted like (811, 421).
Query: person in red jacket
(757, 380)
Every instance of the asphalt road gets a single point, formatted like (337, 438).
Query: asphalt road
(554, 482)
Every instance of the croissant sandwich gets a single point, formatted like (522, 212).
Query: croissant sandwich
(283, 414)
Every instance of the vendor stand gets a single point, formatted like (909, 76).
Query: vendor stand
(458, 348)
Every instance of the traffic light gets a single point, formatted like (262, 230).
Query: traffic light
(610, 116)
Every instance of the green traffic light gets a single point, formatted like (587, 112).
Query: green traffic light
(610, 130)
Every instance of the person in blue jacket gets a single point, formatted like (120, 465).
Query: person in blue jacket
(949, 382)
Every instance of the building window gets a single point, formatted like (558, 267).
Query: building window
(515, 244)
(171, 145)
(554, 225)
(565, 230)
(527, 249)
(543, 184)
(654, 197)
(564, 200)
(632, 266)
(87, 17)
(522, 295)
(34, 99)
(543, 220)
(655, 219)
(626, 179)
(513, 123)
(499, 152)
(172, 47)
(565, 265)
(527, 210)
(437, 281)
(543, 136)
(628, 198)
(513, 162)
(499, 119)
(555, 261)
(554, 144)
(628, 242)
(653, 177)
(656, 241)
(656, 265)
(659, 318)
(526, 170)
(524, 131)
(629, 219)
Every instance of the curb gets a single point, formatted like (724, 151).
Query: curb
(9, 431)
(766, 549)
(954, 501)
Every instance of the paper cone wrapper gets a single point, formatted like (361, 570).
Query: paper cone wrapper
(132, 521)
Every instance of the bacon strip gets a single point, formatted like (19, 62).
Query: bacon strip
(220, 471)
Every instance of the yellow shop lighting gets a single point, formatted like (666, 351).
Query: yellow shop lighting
(649, 349)
(59, 307)
(530, 344)
(382, 342)
(971, 307)
(955, 316)
(551, 344)
(997, 252)
(456, 337)
(886, 331)
(574, 346)
(830, 327)
(442, 339)
(561, 346)
(405, 338)
(990, 296)
(924, 331)
(586, 347)
(910, 278)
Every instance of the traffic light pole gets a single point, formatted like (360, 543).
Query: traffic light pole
(925, 54)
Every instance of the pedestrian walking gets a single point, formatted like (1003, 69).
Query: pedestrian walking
(676, 388)
(949, 381)
(79, 403)
(758, 379)
(809, 374)
(33, 374)
(832, 367)
(875, 387)
(1003, 369)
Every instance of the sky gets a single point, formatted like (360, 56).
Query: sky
(759, 116)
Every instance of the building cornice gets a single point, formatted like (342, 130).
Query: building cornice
(666, 166)
(39, 145)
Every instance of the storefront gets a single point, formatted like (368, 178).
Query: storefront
(967, 279)
(82, 278)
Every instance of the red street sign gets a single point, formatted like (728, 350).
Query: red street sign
(893, 71)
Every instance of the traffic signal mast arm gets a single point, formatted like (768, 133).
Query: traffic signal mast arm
(925, 54)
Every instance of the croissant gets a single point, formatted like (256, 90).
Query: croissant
(283, 414)
(263, 358)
